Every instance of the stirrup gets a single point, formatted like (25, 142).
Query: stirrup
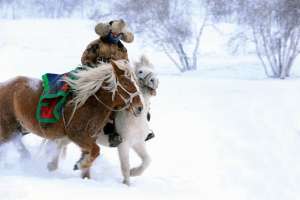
(114, 140)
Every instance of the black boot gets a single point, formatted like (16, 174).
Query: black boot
(148, 116)
(114, 138)
(150, 135)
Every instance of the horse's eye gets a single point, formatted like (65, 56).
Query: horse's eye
(140, 71)
(151, 80)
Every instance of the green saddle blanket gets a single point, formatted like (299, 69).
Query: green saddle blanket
(53, 98)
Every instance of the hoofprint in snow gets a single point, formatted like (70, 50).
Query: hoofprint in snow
(221, 132)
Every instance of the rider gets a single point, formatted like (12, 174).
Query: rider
(106, 48)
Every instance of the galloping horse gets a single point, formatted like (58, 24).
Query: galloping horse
(96, 93)
(133, 129)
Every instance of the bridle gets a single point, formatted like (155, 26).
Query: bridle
(127, 101)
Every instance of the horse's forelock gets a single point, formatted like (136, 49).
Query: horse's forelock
(125, 66)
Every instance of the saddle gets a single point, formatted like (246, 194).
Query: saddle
(53, 98)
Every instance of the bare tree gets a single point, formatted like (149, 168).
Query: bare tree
(168, 24)
(49, 8)
(56, 8)
(274, 28)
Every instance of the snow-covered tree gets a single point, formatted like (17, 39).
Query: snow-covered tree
(168, 24)
(14, 9)
(273, 26)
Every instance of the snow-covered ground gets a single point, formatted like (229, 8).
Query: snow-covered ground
(222, 132)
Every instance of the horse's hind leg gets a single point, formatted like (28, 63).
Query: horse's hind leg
(60, 150)
(141, 150)
(8, 130)
(21, 147)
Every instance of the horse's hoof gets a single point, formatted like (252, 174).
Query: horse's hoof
(85, 174)
(76, 167)
(126, 182)
(51, 166)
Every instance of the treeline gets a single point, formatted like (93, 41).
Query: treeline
(17, 9)
(176, 26)
(272, 26)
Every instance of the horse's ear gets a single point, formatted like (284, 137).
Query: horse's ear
(136, 65)
(144, 60)
(117, 70)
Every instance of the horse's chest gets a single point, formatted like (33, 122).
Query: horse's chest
(89, 120)
(130, 126)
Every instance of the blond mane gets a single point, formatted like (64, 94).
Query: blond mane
(90, 80)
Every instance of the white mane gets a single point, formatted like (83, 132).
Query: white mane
(90, 80)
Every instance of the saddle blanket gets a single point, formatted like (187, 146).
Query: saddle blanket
(53, 98)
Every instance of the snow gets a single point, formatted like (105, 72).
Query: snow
(34, 83)
(7, 82)
(222, 132)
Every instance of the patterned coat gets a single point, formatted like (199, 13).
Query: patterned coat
(102, 49)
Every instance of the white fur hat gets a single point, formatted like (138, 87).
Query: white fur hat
(116, 26)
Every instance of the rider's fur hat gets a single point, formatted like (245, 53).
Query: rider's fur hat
(116, 26)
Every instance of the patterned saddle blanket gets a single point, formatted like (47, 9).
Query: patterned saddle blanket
(53, 98)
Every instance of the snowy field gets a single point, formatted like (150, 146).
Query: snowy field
(222, 132)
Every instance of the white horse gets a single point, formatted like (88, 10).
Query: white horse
(133, 129)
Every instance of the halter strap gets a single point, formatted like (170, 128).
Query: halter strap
(127, 101)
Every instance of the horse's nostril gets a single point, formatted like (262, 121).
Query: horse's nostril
(140, 109)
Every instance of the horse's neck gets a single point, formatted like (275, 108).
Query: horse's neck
(99, 103)
(134, 128)
(104, 98)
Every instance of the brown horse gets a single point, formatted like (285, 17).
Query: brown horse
(96, 93)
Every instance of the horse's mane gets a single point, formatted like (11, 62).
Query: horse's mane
(90, 80)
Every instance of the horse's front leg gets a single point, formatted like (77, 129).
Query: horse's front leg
(88, 156)
(123, 150)
(140, 149)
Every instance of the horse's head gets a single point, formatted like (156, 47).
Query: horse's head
(113, 85)
(127, 93)
(146, 76)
